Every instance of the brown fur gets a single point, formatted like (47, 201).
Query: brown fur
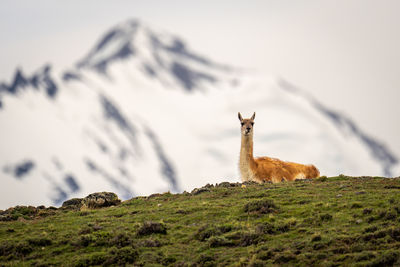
(265, 168)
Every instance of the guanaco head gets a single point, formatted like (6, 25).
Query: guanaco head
(247, 124)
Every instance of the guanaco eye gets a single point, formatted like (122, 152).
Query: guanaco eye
(242, 123)
(252, 123)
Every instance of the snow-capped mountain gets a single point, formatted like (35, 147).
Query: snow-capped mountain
(141, 113)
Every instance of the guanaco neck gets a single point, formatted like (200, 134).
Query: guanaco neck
(246, 149)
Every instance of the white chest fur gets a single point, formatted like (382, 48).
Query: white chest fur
(244, 167)
(245, 172)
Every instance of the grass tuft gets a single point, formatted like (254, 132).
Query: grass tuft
(150, 227)
(261, 206)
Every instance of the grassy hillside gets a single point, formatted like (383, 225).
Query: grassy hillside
(326, 222)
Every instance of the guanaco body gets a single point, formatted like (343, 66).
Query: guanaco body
(264, 168)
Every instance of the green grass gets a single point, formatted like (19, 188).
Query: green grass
(324, 222)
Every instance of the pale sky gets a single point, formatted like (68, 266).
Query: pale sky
(346, 53)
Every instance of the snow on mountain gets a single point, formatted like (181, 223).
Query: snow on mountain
(141, 113)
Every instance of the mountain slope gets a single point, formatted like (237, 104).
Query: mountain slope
(323, 222)
(141, 113)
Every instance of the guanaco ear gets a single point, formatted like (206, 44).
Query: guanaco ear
(240, 116)
(253, 117)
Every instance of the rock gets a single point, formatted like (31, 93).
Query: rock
(73, 204)
(92, 201)
(361, 193)
(5, 218)
(197, 191)
(227, 184)
(154, 195)
(25, 213)
(250, 183)
(101, 199)
(208, 186)
(224, 184)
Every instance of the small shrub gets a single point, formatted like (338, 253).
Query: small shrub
(371, 219)
(40, 242)
(225, 228)
(206, 232)
(367, 211)
(370, 229)
(316, 237)
(380, 234)
(101, 238)
(261, 206)
(325, 217)
(318, 246)
(150, 243)
(256, 263)
(266, 228)
(391, 215)
(168, 260)
(265, 255)
(206, 260)
(24, 210)
(340, 250)
(357, 247)
(23, 249)
(356, 205)
(96, 258)
(121, 256)
(150, 227)
(217, 241)
(321, 256)
(248, 238)
(397, 209)
(6, 248)
(299, 245)
(286, 225)
(387, 258)
(376, 235)
(85, 231)
(394, 233)
(284, 258)
(363, 256)
(85, 240)
(121, 240)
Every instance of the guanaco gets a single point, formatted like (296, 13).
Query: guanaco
(265, 169)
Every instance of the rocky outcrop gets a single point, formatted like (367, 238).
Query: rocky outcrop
(92, 201)
(26, 213)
